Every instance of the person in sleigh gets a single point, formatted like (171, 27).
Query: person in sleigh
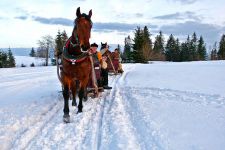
(101, 62)
(116, 61)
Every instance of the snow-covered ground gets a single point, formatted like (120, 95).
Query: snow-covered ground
(162, 105)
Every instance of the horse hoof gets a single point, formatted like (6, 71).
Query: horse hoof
(79, 111)
(66, 118)
(74, 103)
(85, 99)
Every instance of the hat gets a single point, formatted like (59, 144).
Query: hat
(94, 45)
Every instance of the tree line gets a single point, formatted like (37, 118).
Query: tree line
(47, 46)
(7, 59)
(141, 49)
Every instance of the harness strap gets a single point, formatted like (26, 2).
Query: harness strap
(73, 58)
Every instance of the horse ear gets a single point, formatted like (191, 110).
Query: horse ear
(90, 13)
(78, 12)
(101, 43)
(105, 43)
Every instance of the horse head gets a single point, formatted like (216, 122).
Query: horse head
(104, 45)
(82, 29)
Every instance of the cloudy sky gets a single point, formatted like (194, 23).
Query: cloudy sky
(24, 22)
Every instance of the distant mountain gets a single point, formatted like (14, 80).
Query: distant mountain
(18, 51)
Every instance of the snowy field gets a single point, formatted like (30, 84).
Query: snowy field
(161, 106)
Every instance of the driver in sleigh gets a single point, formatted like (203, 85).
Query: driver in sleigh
(98, 59)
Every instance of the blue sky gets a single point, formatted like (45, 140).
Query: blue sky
(22, 23)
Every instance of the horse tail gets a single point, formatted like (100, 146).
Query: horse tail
(58, 70)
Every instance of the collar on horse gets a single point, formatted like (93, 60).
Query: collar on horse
(73, 58)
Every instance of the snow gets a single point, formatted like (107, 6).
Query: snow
(27, 61)
(162, 105)
(201, 77)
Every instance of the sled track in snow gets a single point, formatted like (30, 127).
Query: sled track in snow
(87, 130)
(179, 96)
(98, 135)
(26, 135)
(115, 121)
(35, 132)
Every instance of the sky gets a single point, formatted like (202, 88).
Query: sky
(24, 22)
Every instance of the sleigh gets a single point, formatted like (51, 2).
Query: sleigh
(113, 63)
(98, 81)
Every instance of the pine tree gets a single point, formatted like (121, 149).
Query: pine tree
(4, 60)
(214, 52)
(176, 53)
(58, 43)
(32, 52)
(201, 49)
(170, 48)
(193, 47)
(64, 37)
(221, 51)
(10, 59)
(188, 50)
(118, 47)
(147, 44)
(184, 53)
(158, 49)
(127, 50)
(138, 45)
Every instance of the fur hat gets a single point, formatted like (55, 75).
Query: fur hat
(94, 45)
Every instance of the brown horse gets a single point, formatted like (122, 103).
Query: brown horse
(105, 52)
(76, 65)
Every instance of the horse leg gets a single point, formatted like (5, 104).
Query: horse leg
(74, 89)
(66, 116)
(81, 96)
(85, 94)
